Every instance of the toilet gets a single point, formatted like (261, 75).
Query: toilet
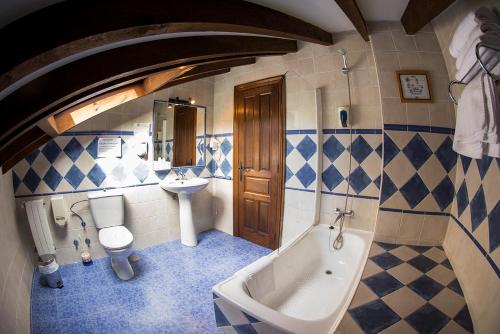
(107, 209)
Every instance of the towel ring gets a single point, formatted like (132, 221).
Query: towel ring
(450, 91)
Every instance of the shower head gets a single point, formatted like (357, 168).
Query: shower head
(345, 68)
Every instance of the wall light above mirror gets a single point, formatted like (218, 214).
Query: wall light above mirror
(179, 134)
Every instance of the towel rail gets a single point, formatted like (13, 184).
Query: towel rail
(484, 68)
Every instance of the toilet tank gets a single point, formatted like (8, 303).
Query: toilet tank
(107, 207)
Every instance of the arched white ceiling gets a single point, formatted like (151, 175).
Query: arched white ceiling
(327, 15)
(323, 13)
(382, 10)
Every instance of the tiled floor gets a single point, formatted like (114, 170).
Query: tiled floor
(407, 289)
(404, 289)
(171, 292)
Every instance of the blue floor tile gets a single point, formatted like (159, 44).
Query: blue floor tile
(455, 286)
(382, 283)
(420, 249)
(375, 316)
(427, 319)
(386, 260)
(171, 292)
(45, 309)
(447, 264)
(426, 287)
(463, 319)
(387, 246)
(422, 263)
(245, 329)
(45, 327)
(80, 325)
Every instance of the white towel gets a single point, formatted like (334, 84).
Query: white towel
(483, 18)
(467, 64)
(461, 34)
(470, 43)
(477, 129)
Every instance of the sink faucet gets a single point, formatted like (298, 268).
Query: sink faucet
(181, 175)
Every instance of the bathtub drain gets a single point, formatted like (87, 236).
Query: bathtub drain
(328, 272)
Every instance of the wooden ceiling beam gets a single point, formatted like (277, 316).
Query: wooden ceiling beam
(93, 107)
(24, 145)
(71, 27)
(194, 77)
(34, 101)
(420, 12)
(155, 81)
(219, 65)
(208, 68)
(351, 10)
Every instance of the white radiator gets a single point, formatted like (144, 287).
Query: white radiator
(37, 217)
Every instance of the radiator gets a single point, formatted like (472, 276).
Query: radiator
(37, 217)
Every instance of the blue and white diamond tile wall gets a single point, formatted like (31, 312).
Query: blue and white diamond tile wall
(220, 162)
(477, 207)
(301, 161)
(169, 148)
(419, 169)
(364, 178)
(69, 163)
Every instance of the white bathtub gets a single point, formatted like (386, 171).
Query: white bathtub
(296, 295)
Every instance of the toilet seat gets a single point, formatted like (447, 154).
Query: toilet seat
(116, 237)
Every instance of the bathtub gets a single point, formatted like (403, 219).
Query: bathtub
(294, 293)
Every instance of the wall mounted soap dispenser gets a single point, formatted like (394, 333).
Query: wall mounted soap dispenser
(59, 210)
(343, 116)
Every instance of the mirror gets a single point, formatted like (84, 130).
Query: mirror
(179, 134)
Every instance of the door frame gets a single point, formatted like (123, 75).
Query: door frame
(280, 80)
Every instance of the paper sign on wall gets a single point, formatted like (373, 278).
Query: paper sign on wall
(109, 148)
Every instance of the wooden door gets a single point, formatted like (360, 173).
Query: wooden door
(259, 160)
(184, 136)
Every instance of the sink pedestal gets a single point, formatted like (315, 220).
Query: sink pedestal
(184, 190)
(188, 230)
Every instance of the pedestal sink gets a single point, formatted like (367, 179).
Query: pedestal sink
(184, 189)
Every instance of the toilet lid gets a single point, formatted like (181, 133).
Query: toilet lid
(115, 237)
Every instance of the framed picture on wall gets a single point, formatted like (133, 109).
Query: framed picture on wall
(414, 86)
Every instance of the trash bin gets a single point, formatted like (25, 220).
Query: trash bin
(50, 271)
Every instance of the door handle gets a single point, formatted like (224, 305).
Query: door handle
(241, 170)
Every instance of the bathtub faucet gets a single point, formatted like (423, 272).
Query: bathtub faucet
(341, 214)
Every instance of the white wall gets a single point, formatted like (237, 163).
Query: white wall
(16, 261)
